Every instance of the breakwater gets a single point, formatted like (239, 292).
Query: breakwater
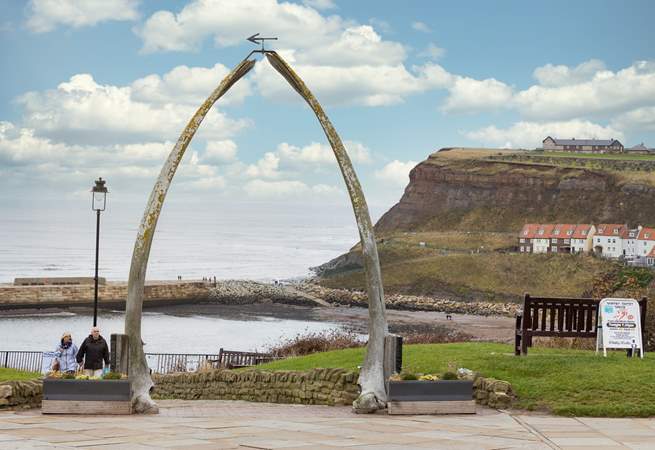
(236, 292)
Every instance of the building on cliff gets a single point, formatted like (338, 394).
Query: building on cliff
(556, 238)
(583, 145)
(645, 242)
(608, 241)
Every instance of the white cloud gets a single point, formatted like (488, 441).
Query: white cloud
(226, 20)
(288, 189)
(560, 75)
(468, 95)
(267, 167)
(289, 159)
(432, 51)
(188, 85)
(568, 95)
(84, 111)
(396, 172)
(220, 151)
(46, 15)
(531, 134)
(357, 85)
(637, 119)
(422, 27)
(320, 4)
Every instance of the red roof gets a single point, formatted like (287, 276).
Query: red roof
(582, 231)
(647, 234)
(651, 254)
(612, 229)
(529, 230)
(563, 230)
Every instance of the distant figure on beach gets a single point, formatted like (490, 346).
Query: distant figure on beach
(94, 351)
(65, 354)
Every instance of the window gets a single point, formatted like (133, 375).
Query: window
(522, 240)
(567, 241)
(541, 232)
(525, 233)
(554, 249)
(554, 241)
(584, 232)
(569, 232)
(616, 230)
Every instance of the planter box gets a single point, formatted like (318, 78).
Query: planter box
(431, 397)
(86, 396)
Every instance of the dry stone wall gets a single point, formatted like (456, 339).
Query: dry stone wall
(315, 387)
(21, 394)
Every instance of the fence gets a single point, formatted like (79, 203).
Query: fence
(21, 360)
(158, 362)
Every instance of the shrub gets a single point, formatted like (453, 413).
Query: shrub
(449, 376)
(315, 342)
(407, 376)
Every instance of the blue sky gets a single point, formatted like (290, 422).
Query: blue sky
(104, 87)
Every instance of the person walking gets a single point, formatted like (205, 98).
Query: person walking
(93, 351)
(65, 354)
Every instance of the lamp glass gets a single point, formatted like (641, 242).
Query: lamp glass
(99, 201)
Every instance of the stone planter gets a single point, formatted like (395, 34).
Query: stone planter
(431, 397)
(86, 396)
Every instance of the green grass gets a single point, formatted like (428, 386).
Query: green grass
(564, 382)
(486, 276)
(12, 374)
(614, 156)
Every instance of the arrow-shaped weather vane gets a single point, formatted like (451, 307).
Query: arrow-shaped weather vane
(260, 40)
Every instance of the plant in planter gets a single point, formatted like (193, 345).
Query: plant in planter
(85, 395)
(430, 394)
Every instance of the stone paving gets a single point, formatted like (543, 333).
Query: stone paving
(232, 424)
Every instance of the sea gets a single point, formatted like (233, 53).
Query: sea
(223, 239)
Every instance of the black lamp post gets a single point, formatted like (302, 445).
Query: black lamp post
(98, 204)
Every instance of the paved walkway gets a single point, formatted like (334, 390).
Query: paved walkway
(225, 425)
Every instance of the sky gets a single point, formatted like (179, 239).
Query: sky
(104, 87)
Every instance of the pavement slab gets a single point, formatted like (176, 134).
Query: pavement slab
(218, 424)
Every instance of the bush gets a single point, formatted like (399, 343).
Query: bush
(316, 342)
(407, 376)
(449, 376)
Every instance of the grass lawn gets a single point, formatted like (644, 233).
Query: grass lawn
(486, 276)
(564, 382)
(12, 374)
(615, 156)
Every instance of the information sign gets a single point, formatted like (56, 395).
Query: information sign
(619, 322)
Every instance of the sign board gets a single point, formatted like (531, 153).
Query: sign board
(619, 320)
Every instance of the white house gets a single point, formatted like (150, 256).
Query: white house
(582, 238)
(630, 243)
(541, 241)
(608, 240)
(645, 242)
(650, 258)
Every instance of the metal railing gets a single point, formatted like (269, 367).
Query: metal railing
(21, 360)
(179, 362)
(32, 361)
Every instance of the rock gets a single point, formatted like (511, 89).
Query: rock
(5, 391)
(499, 400)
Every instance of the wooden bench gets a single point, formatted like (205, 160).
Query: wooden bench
(560, 317)
(230, 359)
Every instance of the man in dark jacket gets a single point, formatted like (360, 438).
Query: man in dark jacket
(93, 351)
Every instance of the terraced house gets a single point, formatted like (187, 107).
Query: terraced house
(582, 145)
(608, 240)
(556, 238)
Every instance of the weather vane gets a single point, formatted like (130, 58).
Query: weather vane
(260, 40)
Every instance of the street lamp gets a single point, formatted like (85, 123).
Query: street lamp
(98, 204)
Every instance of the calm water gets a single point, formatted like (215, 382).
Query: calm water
(227, 240)
(162, 333)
